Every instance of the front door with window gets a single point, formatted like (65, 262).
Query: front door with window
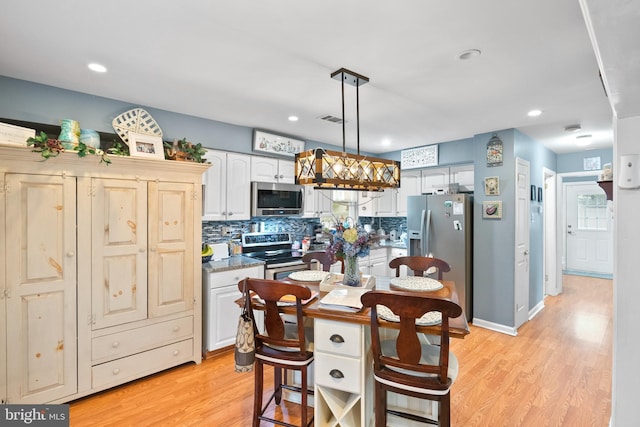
(589, 229)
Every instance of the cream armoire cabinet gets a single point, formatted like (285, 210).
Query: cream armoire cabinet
(101, 279)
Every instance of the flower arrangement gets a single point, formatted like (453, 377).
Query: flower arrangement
(348, 242)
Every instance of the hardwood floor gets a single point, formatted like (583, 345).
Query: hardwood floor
(556, 372)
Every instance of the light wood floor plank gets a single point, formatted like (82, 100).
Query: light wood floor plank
(556, 372)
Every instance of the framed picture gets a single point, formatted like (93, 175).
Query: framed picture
(276, 144)
(534, 195)
(492, 209)
(591, 163)
(540, 194)
(492, 186)
(494, 151)
(419, 157)
(141, 145)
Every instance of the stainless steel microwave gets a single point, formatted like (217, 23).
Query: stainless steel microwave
(272, 199)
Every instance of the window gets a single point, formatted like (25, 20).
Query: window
(592, 212)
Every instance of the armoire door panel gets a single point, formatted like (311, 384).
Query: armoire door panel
(171, 247)
(119, 246)
(41, 281)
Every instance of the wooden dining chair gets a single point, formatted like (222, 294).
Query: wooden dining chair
(324, 258)
(405, 365)
(420, 264)
(282, 345)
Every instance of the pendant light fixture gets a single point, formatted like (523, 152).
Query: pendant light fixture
(329, 170)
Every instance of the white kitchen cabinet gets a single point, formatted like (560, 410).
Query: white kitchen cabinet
(392, 254)
(220, 310)
(101, 287)
(317, 202)
(367, 203)
(463, 175)
(441, 178)
(375, 264)
(268, 169)
(410, 185)
(227, 187)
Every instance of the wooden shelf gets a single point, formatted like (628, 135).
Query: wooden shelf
(607, 186)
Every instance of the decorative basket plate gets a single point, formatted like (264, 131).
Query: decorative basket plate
(136, 120)
(308, 275)
(428, 319)
(415, 283)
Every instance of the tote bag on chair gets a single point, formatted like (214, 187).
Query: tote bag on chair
(245, 343)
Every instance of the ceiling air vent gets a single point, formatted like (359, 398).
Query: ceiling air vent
(332, 119)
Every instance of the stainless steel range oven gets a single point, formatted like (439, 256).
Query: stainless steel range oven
(275, 250)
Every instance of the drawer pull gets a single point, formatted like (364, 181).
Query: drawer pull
(336, 339)
(335, 373)
(176, 352)
(115, 344)
(116, 371)
(176, 328)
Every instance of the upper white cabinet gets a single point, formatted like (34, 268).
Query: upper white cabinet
(441, 178)
(268, 169)
(227, 187)
(317, 202)
(410, 185)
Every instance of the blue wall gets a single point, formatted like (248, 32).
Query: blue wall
(574, 162)
(32, 102)
(449, 153)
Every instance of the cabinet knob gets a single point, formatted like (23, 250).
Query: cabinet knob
(71, 254)
(275, 176)
(335, 338)
(230, 213)
(224, 213)
(336, 373)
(115, 344)
(176, 352)
(176, 328)
(281, 176)
(116, 371)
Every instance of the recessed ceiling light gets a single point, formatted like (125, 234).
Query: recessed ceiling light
(583, 140)
(469, 54)
(98, 68)
(293, 118)
(386, 142)
(534, 113)
(572, 128)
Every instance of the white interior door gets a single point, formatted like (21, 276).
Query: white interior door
(589, 229)
(550, 233)
(523, 179)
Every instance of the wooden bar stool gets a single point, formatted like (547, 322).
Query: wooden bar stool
(282, 346)
(403, 364)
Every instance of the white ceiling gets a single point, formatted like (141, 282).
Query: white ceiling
(254, 63)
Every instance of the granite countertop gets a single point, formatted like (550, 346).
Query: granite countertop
(234, 262)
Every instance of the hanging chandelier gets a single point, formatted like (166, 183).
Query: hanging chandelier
(329, 170)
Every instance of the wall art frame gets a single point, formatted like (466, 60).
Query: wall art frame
(142, 145)
(495, 150)
(492, 209)
(492, 186)
(534, 194)
(276, 144)
(420, 157)
(539, 194)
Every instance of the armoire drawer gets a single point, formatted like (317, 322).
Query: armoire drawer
(337, 337)
(141, 364)
(337, 372)
(133, 341)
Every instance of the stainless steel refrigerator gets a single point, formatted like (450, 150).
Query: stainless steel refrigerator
(442, 226)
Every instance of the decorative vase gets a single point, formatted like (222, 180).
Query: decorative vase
(351, 271)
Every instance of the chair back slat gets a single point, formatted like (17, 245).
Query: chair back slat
(420, 264)
(271, 291)
(410, 306)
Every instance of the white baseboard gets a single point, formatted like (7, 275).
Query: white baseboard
(535, 310)
(509, 330)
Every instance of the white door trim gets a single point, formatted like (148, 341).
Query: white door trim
(549, 234)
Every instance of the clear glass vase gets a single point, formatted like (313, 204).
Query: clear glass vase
(351, 271)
